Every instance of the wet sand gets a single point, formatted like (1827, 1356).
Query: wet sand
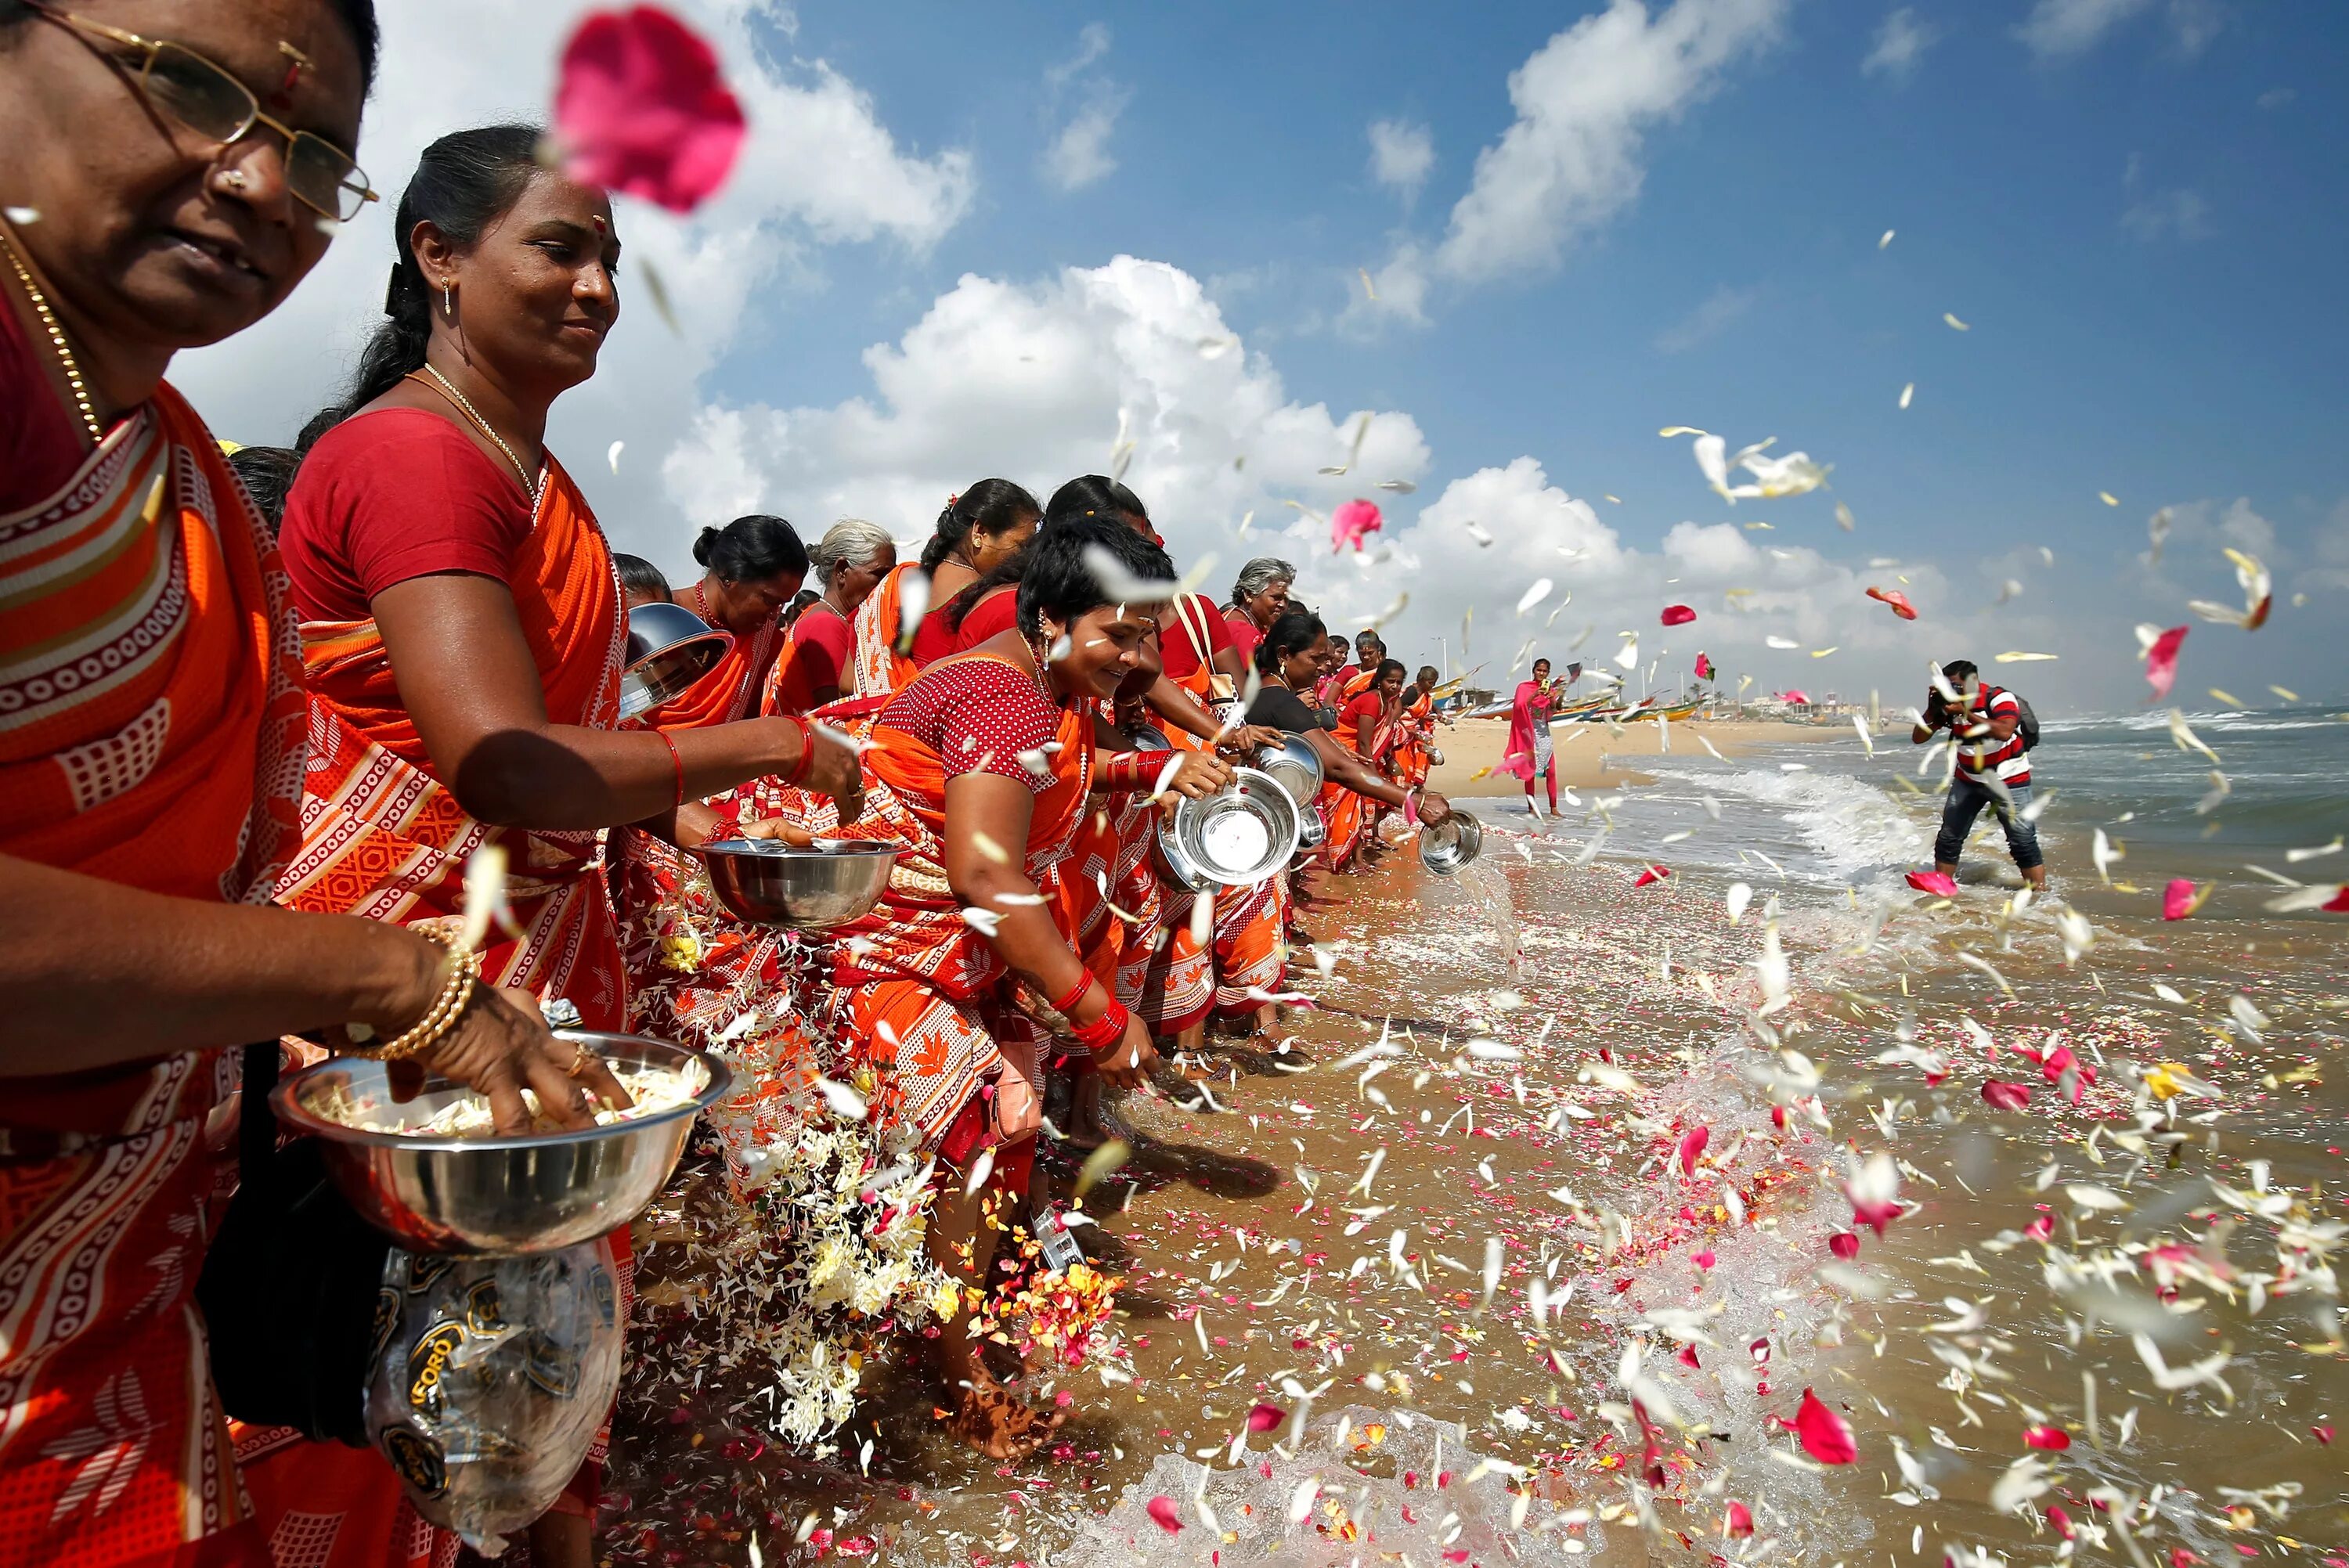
(1310, 1232)
(1592, 756)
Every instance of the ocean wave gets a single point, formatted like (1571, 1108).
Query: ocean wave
(1851, 825)
(2225, 723)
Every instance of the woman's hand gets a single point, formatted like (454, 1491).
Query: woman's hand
(1128, 1065)
(1433, 809)
(777, 828)
(1197, 774)
(500, 1046)
(1250, 738)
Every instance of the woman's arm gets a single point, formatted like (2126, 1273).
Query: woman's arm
(985, 809)
(1343, 768)
(167, 975)
(1366, 733)
(468, 679)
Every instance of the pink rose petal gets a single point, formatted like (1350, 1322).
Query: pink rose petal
(2006, 1096)
(2052, 1438)
(1264, 1417)
(1703, 1260)
(2161, 660)
(1705, 666)
(640, 108)
(2179, 900)
(1678, 616)
(1825, 1435)
(1353, 521)
(1897, 599)
(2040, 1228)
(1161, 1509)
(1844, 1244)
(1937, 883)
(1691, 1148)
(1652, 874)
(1740, 1522)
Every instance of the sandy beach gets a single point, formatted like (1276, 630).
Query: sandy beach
(1593, 756)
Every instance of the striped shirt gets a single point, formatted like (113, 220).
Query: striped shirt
(1980, 754)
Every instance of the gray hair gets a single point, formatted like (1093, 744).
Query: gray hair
(851, 541)
(1261, 574)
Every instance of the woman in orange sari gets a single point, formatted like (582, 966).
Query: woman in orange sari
(151, 754)
(1414, 752)
(461, 632)
(754, 566)
(979, 771)
(979, 529)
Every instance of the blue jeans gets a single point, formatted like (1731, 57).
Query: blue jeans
(1966, 799)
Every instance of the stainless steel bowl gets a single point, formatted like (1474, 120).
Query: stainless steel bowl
(1295, 766)
(1239, 835)
(1452, 843)
(495, 1196)
(669, 648)
(770, 883)
(1311, 831)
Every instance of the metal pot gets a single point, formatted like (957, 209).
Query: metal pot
(1452, 843)
(1236, 837)
(495, 1196)
(1295, 766)
(768, 882)
(669, 648)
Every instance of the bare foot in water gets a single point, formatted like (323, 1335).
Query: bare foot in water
(1089, 1125)
(995, 1421)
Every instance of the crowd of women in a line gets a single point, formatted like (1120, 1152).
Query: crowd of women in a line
(245, 758)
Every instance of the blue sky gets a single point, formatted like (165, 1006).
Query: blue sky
(2136, 205)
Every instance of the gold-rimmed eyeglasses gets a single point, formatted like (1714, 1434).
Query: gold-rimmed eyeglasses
(215, 105)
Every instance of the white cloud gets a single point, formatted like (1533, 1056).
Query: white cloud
(1402, 154)
(1901, 43)
(2159, 214)
(1079, 155)
(1707, 321)
(1584, 102)
(1092, 43)
(2277, 98)
(2059, 29)
(820, 169)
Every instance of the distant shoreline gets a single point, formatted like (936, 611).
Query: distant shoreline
(1590, 756)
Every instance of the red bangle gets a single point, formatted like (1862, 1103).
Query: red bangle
(1104, 1032)
(807, 751)
(1076, 994)
(676, 759)
(1130, 772)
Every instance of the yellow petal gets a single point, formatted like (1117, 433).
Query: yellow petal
(1954, 323)
(2014, 659)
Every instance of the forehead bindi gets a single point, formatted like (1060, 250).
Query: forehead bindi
(296, 56)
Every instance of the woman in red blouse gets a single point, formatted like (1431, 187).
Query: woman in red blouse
(980, 770)
(754, 566)
(1259, 595)
(851, 559)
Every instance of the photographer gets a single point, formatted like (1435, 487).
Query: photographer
(1992, 732)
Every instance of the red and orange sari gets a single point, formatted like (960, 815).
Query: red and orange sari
(1417, 740)
(150, 734)
(730, 690)
(383, 839)
(875, 667)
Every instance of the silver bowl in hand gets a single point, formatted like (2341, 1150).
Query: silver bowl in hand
(770, 881)
(1452, 843)
(492, 1196)
(1236, 837)
(1295, 766)
(669, 648)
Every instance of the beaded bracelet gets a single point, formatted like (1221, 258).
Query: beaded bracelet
(1102, 1034)
(455, 996)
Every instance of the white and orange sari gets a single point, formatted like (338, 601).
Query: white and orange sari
(150, 734)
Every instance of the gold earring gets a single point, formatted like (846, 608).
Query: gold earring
(448, 305)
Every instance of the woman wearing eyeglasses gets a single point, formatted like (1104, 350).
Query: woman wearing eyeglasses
(170, 175)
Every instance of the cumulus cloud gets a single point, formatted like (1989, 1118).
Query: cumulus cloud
(1707, 321)
(2179, 213)
(1901, 40)
(820, 169)
(1585, 102)
(1402, 154)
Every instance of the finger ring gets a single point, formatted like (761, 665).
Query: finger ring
(578, 1060)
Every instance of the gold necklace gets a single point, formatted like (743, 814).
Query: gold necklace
(65, 353)
(448, 390)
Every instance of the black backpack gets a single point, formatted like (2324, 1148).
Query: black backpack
(2026, 724)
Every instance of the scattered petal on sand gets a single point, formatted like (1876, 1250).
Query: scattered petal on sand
(2006, 1096)
(1678, 615)
(1652, 874)
(2182, 898)
(641, 109)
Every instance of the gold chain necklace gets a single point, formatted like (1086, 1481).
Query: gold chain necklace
(65, 353)
(441, 384)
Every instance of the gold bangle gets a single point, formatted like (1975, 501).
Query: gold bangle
(448, 1006)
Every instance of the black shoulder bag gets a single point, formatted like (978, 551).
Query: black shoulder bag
(290, 1286)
